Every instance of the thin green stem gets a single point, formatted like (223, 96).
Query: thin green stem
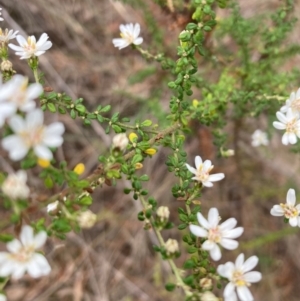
(170, 261)
(36, 75)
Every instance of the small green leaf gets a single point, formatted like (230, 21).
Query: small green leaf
(189, 264)
(73, 114)
(156, 248)
(51, 107)
(170, 287)
(182, 226)
(48, 182)
(192, 250)
(86, 201)
(116, 128)
(144, 178)
(51, 95)
(100, 118)
(82, 183)
(146, 123)
(4, 237)
(137, 158)
(61, 110)
(80, 108)
(105, 109)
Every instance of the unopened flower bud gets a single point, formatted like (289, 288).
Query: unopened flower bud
(120, 141)
(206, 283)
(79, 168)
(227, 153)
(163, 213)
(43, 163)
(52, 206)
(6, 66)
(138, 165)
(171, 246)
(15, 185)
(150, 151)
(209, 296)
(87, 219)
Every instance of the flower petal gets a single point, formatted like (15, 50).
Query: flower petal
(228, 224)
(213, 217)
(198, 231)
(216, 177)
(215, 253)
(291, 197)
(26, 236)
(14, 246)
(234, 233)
(40, 239)
(250, 263)
(253, 277)
(244, 293)
(202, 221)
(198, 162)
(229, 244)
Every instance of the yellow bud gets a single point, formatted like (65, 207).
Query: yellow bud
(79, 168)
(133, 137)
(195, 103)
(150, 151)
(138, 165)
(43, 163)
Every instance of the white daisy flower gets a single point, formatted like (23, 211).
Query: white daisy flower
(1, 19)
(217, 234)
(239, 277)
(30, 47)
(288, 210)
(259, 138)
(202, 172)
(292, 103)
(7, 35)
(32, 133)
(22, 257)
(17, 95)
(129, 35)
(291, 124)
(15, 186)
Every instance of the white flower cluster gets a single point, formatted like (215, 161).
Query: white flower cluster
(16, 96)
(289, 119)
(30, 131)
(224, 234)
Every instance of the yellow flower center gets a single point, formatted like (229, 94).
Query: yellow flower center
(238, 279)
(24, 255)
(289, 210)
(34, 137)
(291, 126)
(214, 235)
(31, 44)
(127, 36)
(203, 175)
